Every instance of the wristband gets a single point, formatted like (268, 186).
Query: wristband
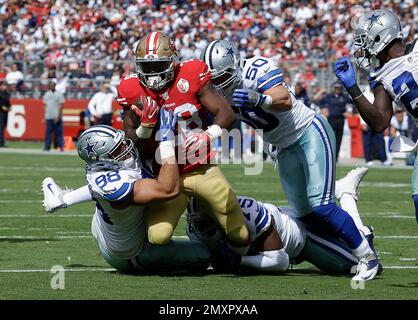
(214, 131)
(267, 102)
(143, 132)
(354, 91)
(167, 149)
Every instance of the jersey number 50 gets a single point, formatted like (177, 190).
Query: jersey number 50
(253, 69)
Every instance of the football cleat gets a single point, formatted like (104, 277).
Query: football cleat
(350, 182)
(367, 268)
(53, 199)
(369, 237)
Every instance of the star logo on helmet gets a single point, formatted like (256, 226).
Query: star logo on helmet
(374, 18)
(90, 147)
(229, 52)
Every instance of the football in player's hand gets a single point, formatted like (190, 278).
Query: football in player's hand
(137, 109)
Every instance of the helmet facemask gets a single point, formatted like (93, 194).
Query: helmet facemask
(156, 73)
(102, 147)
(361, 54)
(156, 58)
(225, 64)
(205, 229)
(374, 32)
(125, 155)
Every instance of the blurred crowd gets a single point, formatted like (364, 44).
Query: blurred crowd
(75, 42)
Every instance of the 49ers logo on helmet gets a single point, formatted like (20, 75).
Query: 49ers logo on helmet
(183, 85)
(172, 46)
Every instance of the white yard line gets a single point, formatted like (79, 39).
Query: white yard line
(43, 215)
(400, 267)
(396, 237)
(46, 237)
(385, 185)
(43, 168)
(37, 152)
(20, 201)
(49, 270)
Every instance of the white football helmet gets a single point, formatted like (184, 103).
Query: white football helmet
(373, 32)
(103, 148)
(202, 228)
(225, 64)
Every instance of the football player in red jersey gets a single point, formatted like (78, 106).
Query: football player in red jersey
(163, 82)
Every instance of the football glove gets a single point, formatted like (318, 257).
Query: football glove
(168, 121)
(250, 98)
(197, 142)
(149, 113)
(344, 71)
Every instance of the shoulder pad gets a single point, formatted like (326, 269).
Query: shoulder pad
(129, 90)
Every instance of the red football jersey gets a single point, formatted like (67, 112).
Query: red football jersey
(180, 95)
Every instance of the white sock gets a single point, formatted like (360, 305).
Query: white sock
(363, 250)
(349, 204)
(77, 196)
(275, 260)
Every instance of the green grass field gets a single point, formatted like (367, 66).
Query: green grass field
(31, 242)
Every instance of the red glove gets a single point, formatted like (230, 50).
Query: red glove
(197, 142)
(149, 113)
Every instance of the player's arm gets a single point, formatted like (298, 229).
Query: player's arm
(377, 114)
(270, 94)
(280, 98)
(140, 121)
(271, 255)
(130, 124)
(216, 103)
(165, 187)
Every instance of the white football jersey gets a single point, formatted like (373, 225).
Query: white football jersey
(119, 232)
(399, 78)
(281, 129)
(258, 218)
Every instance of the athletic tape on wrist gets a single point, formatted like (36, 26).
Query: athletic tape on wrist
(267, 102)
(143, 133)
(167, 149)
(214, 131)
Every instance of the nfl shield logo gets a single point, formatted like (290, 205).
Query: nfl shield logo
(183, 85)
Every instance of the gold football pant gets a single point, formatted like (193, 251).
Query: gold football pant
(216, 198)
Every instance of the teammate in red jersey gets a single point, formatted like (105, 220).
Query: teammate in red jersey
(163, 82)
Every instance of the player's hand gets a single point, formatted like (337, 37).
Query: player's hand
(344, 70)
(197, 141)
(148, 116)
(248, 98)
(168, 121)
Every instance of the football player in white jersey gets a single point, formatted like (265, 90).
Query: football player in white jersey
(278, 238)
(259, 97)
(121, 190)
(393, 68)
